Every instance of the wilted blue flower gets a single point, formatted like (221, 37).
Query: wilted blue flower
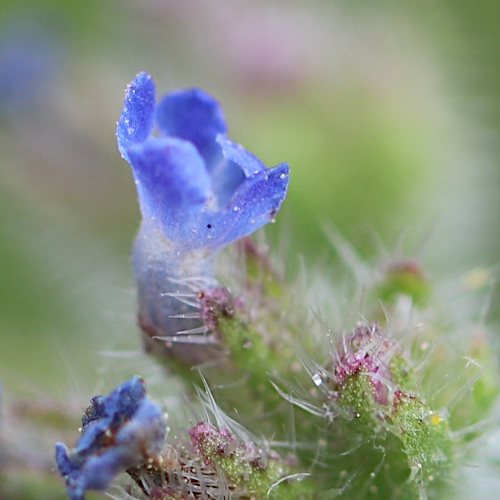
(119, 431)
(195, 185)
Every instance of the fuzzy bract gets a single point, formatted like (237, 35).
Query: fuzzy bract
(195, 186)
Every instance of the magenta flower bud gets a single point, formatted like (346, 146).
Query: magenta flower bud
(366, 351)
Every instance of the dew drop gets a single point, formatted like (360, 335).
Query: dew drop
(317, 379)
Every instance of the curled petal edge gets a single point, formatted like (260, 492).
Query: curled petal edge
(248, 162)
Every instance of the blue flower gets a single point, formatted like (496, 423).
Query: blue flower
(196, 186)
(119, 431)
(198, 191)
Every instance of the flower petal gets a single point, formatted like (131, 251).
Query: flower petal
(145, 433)
(109, 412)
(194, 116)
(226, 177)
(62, 459)
(123, 402)
(235, 153)
(137, 119)
(170, 176)
(254, 204)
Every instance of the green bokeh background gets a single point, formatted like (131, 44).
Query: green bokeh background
(388, 113)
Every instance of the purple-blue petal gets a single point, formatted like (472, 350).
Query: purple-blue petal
(64, 464)
(137, 119)
(194, 116)
(124, 401)
(146, 430)
(235, 153)
(226, 177)
(107, 413)
(254, 204)
(97, 472)
(170, 176)
(100, 470)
